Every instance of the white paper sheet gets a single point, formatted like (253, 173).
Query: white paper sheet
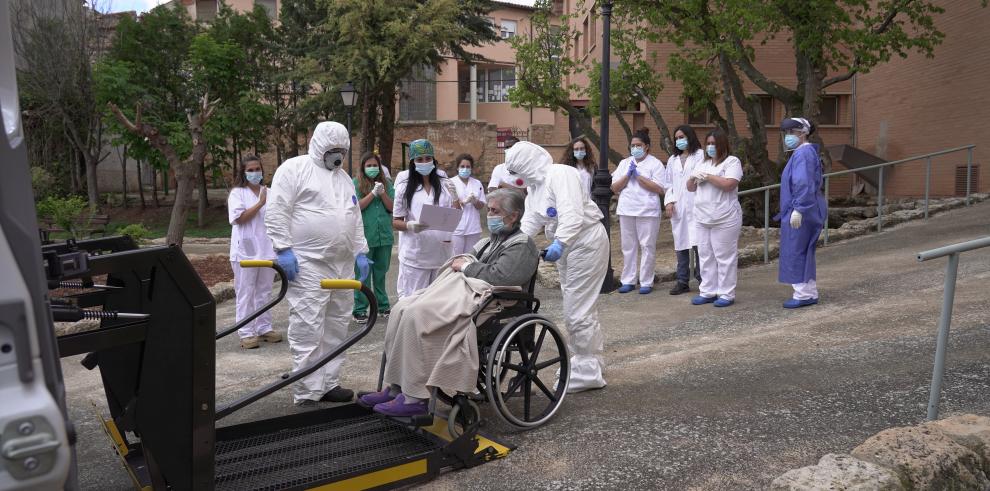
(440, 218)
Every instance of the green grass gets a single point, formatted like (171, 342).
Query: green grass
(212, 228)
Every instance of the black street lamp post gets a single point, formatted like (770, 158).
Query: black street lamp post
(349, 96)
(602, 192)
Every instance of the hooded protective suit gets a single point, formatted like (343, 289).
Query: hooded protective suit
(558, 203)
(314, 211)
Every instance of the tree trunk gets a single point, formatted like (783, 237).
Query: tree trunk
(154, 186)
(92, 190)
(123, 172)
(622, 121)
(201, 207)
(185, 183)
(140, 184)
(386, 136)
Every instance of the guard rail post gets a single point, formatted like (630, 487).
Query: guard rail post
(928, 183)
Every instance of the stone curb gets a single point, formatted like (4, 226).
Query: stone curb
(753, 253)
(953, 453)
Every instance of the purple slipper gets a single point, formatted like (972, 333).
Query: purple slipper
(398, 408)
(372, 399)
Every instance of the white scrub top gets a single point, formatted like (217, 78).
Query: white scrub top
(586, 179)
(247, 240)
(498, 175)
(679, 169)
(471, 216)
(713, 206)
(635, 200)
(428, 249)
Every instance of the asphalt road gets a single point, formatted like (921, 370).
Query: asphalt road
(698, 397)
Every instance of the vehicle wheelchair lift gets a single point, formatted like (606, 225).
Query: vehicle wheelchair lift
(156, 351)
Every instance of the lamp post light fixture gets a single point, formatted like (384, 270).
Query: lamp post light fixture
(349, 97)
(602, 192)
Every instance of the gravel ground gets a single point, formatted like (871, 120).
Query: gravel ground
(700, 398)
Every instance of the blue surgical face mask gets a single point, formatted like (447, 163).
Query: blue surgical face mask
(791, 141)
(711, 151)
(637, 152)
(580, 154)
(253, 177)
(681, 143)
(424, 168)
(464, 172)
(495, 224)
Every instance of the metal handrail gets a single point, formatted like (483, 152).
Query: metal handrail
(928, 177)
(283, 288)
(945, 319)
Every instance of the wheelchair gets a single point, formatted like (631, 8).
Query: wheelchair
(523, 371)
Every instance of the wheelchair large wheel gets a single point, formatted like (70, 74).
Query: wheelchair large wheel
(527, 371)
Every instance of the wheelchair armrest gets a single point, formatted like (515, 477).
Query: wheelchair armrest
(513, 295)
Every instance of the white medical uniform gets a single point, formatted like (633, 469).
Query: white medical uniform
(639, 220)
(420, 254)
(253, 286)
(557, 204)
(586, 179)
(718, 219)
(679, 169)
(315, 212)
(468, 231)
(498, 176)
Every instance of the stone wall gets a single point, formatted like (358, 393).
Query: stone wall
(450, 139)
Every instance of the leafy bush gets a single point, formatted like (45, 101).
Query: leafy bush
(64, 213)
(137, 232)
(42, 182)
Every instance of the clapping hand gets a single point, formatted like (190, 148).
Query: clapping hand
(378, 189)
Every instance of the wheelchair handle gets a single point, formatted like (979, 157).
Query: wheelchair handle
(293, 377)
(259, 263)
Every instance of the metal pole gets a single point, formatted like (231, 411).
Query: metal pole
(350, 141)
(602, 192)
(943, 335)
(766, 226)
(969, 172)
(826, 210)
(928, 184)
(880, 202)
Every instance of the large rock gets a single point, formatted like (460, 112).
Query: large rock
(970, 431)
(925, 458)
(838, 471)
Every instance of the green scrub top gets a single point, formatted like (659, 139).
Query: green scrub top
(377, 219)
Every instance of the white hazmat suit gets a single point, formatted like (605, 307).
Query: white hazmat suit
(314, 211)
(558, 203)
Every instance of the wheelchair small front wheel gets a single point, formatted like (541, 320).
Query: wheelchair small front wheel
(464, 414)
(527, 387)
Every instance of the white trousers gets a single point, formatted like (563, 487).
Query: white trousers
(805, 291)
(464, 244)
(253, 288)
(411, 279)
(718, 251)
(318, 321)
(639, 234)
(582, 271)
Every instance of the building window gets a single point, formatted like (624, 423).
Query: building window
(206, 10)
(508, 28)
(585, 35)
(700, 116)
(270, 7)
(830, 110)
(766, 108)
(594, 30)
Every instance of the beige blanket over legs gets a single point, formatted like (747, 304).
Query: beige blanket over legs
(431, 340)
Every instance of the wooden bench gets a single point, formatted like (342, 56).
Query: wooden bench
(91, 225)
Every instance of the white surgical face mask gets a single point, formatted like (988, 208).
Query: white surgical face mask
(711, 151)
(425, 168)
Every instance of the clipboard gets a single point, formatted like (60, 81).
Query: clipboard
(440, 218)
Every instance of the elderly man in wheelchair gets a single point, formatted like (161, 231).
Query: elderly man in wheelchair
(474, 333)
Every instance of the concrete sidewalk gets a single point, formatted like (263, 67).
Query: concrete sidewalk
(698, 397)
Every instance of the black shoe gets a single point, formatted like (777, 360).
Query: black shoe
(338, 394)
(680, 288)
(361, 318)
(306, 403)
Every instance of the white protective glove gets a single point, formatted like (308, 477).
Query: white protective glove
(378, 189)
(471, 198)
(795, 219)
(699, 176)
(451, 188)
(415, 227)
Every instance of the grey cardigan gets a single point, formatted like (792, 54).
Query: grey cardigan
(505, 261)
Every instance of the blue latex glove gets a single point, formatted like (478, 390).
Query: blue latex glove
(632, 170)
(364, 267)
(286, 260)
(554, 251)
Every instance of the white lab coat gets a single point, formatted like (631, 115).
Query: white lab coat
(315, 212)
(682, 222)
(420, 254)
(471, 217)
(558, 204)
(252, 286)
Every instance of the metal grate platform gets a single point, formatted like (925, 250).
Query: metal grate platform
(316, 453)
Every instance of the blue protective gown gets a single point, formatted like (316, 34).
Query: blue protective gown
(801, 190)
